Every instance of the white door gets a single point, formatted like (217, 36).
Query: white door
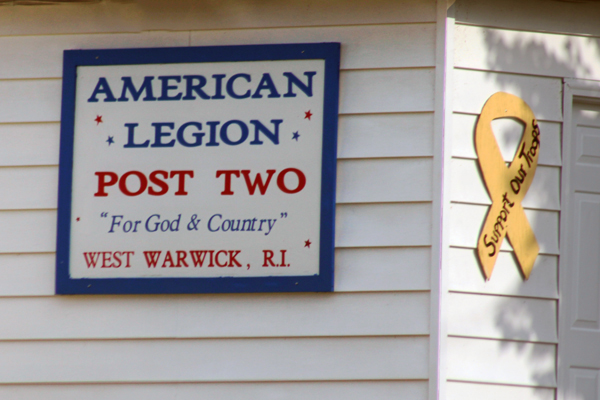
(579, 341)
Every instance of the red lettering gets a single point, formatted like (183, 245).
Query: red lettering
(123, 183)
(103, 183)
(232, 258)
(217, 258)
(262, 187)
(228, 173)
(181, 174)
(152, 258)
(281, 180)
(168, 258)
(181, 255)
(106, 259)
(268, 257)
(199, 256)
(164, 188)
(91, 259)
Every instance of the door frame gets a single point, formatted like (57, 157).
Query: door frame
(573, 90)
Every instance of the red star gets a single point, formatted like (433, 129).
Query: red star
(98, 119)
(307, 114)
(307, 243)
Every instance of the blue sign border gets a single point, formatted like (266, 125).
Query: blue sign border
(323, 282)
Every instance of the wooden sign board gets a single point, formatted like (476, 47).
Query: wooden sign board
(507, 186)
(199, 169)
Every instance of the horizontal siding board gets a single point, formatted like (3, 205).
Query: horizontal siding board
(364, 225)
(363, 46)
(187, 14)
(28, 188)
(365, 269)
(361, 91)
(385, 135)
(391, 90)
(356, 270)
(27, 274)
(23, 53)
(473, 88)
(27, 231)
(29, 144)
(384, 390)
(467, 390)
(382, 180)
(209, 360)
(211, 316)
(358, 181)
(535, 53)
(501, 362)
(357, 225)
(359, 136)
(465, 275)
(463, 140)
(467, 186)
(533, 15)
(30, 100)
(467, 221)
(501, 317)
(366, 46)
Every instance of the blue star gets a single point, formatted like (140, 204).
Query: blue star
(110, 140)
(296, 136)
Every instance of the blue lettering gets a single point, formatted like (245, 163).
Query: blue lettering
(146, 87)
(259, 127)
(266, 83)
(164, 92)
(102, 87)
(293, 80)
(130, 139)
(210, 220)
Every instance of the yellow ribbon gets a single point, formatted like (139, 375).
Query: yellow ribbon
(507, 186)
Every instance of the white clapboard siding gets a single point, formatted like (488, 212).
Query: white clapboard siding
(467, 220)
(209, 360)
(382, 180)
(539, 53)
(356, 270)
(361, 91)
(467, 186)
(214, 316)
(501, 317)
(28, 188)
(359, 136)
(381, 225)
(388, 90)
(27, 231)
(357, 225)
(532, 15)
(375, 46)
(501, 361)
(468, 390)
(27, 274)
(29, 144)
(188, 14)
(364, 269)
(23, 53)
(465, 275)
(473, 88)
(31, 100)
(463, 140)
(385, 135)
(383, 390)
(363, 46)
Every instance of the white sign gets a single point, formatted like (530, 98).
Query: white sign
(173, 173)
